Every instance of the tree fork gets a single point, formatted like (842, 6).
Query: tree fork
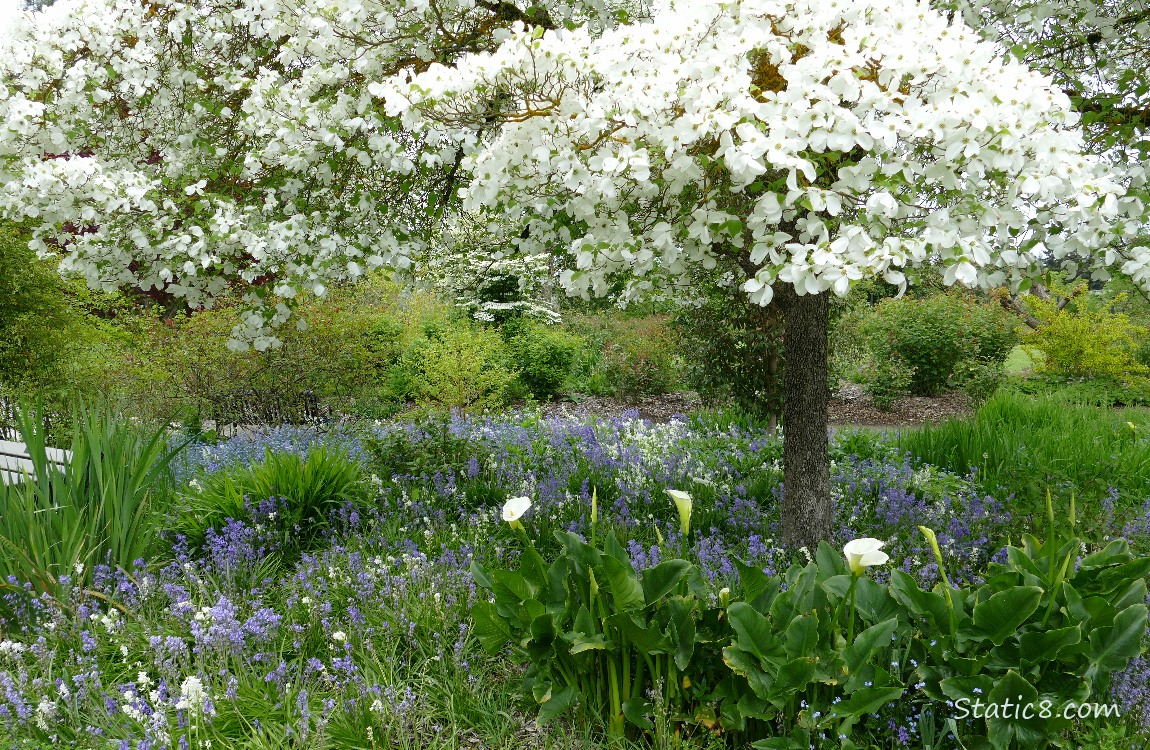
(807, 510)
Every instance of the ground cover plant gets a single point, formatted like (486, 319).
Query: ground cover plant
(385, 631)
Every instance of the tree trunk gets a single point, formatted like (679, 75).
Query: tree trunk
(807, 511)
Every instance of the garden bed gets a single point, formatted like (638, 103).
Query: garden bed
(353, 626)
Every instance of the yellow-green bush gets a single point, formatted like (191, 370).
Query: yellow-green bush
(1085, 339)
(457, 365)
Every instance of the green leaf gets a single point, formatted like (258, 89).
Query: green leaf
(543, 630)
(1110, 648)
(624, 586)
(829, 561)
(637, 710)
(512, 588)
(858, 654)
(1135, 593)
(682, 634)
(1011, 723)
(556, 595)
(583, 554)
(557, 702)
(759, 589)
(581, 642)
(792, 677)
(612, 548)
(662, 579)
(782, 743)
(1000, 615)
(481, 576)
(867, 700)
(926, 604)
(746, 665)
(838, 586)
(754, 632)
(1043, 646)
(532, 566)
(798, 596)
(492, 630)
(584, 622)
(969, 689)
(646, 639)
(1116, 552)
(874, 602)
(802, 635)
(1108, 579)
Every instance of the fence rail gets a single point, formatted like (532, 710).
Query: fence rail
(227, 412)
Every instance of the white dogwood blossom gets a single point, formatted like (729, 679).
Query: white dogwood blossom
(820, 142)
(207, 148)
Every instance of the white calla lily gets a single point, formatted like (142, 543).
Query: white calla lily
(863, 553)
(514, 509)
(683, 503)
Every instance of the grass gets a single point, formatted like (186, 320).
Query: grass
(1022, 446)
(1020, 361)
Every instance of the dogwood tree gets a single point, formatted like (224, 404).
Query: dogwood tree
(814, 143)
(1095, 52)
(271, 148)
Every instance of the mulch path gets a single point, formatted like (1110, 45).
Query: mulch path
(658, 408)
(850, 407)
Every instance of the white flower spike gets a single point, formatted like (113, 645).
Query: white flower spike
(863, 553)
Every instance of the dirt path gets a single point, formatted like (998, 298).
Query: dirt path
(849, 408)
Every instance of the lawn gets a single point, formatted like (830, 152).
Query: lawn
(339, 588)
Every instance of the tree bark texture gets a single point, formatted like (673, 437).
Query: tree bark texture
(807, 509)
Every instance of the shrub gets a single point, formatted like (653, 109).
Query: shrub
(338, 363)
(888, 380)
(732, 351)
(1083, 340)
(639, 358)
(978, 379)
(932, 335)
(456, 365)
(544, 355)
(49, 347)
(36, 319)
